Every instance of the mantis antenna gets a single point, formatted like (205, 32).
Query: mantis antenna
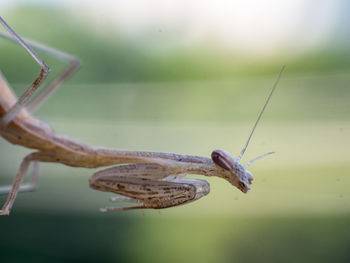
(257, 158)
(259, 117)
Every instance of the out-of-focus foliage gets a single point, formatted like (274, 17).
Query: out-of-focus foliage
(109, 57)
(203, 83)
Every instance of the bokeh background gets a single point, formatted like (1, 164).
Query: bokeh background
(189, 77)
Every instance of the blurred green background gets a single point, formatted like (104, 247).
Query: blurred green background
(150, 90)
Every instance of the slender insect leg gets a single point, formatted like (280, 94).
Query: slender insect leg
(26, 96)
(119, 198)
(73, 66)
(106, 209)
(28, 187)
(16, 184)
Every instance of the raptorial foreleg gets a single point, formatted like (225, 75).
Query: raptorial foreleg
(149, 185)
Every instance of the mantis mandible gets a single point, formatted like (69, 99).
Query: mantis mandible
(150, 179)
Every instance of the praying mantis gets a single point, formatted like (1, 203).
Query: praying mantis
(153, 180)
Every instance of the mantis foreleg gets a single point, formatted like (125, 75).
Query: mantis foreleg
(150, 185)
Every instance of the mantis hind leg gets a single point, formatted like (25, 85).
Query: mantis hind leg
(17, 183)
(149, 185)
(32, 185)
(25, 99)
(26, 96)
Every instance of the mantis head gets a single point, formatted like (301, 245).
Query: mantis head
(235, 172)
(238, 175)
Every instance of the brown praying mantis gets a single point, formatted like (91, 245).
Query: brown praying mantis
(150, 179)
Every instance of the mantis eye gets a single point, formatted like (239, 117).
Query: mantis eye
(222, 159)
